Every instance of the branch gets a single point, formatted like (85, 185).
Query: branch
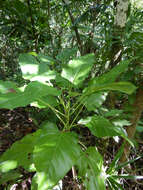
(75, 28)
(32, 23)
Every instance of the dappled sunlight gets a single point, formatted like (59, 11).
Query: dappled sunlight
(29, 69)
(8, 165)
(45, 183)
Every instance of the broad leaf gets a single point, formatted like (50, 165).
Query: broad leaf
(113, 113)
(47, 60)
(62, 82)
(12, 175)
(112, 75)
(44, 101)
(33, 91)
(102, 127)
(95, 100)
(29, 65)
(99, 126)
(77, 70)
(90, 167)
(43, 89)
(7, 87)
(125, 87)
(19, 154)
(54, 155)
(121, 123)
(36, 68)
(34, 185)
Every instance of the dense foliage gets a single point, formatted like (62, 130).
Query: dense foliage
(70, 61)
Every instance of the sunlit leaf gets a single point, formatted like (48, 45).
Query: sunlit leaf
(125, 87)
(95, 100)
(77, 70)
(19, 154)
(54, 155)
(111, 76)
(113, 113)
(101, 127)
(33, 91)
(36, 68)
(45, 101)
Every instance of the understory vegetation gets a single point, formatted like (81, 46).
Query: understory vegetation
(71, 95)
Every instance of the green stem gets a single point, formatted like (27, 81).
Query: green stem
(68, 113)
(76, 116)
(54, 110)
(77, 104)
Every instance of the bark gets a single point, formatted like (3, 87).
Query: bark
(121, 7)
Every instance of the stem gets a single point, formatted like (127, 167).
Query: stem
(76, 116)
(54, 110)
(77, 104)
(68, 113)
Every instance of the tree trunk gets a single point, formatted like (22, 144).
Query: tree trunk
(121, 7)
(138, 108)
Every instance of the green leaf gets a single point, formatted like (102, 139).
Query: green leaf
(37, 87)
(54, 155)
(19, 154)
(12, 175)
(7, 87)
(34, 185)
(115, 184)
(90, 167)
(113, 113)
(62, 82)
(100, 126)
(78, 69)
(95, 100)
(112, 75)
(125, 87)
(45, 60)
(45, 101)
(33, 91)
(128, 162)
(29, 65)
(126, 176)
(36, 68)
(121, 123)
